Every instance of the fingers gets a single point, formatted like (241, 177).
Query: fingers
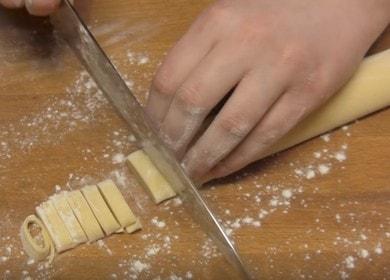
(12, 4)
(34, 7)
(200, 92)
(41, 7)
(248, 104)
(292, 107)
(180, 61)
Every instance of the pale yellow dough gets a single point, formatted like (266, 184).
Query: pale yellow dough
(68, 217)
(85, 216)
(134, 227)
(153, 180)
(55, 226)
(368, 91)
(117, 203)
(100, 209)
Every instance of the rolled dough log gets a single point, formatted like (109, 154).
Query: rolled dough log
(368, 91)
(100, 209)
(55, 226)
(68, 217)
(85, 216)
(117, 203)
(153, 180)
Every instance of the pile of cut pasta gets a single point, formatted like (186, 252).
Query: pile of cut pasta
(71, 218)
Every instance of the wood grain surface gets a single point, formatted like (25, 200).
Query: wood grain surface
(320, 210)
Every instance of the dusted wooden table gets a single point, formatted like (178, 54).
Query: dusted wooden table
(320, 210)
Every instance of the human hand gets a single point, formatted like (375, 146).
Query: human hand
(34, 7)
(284, 58)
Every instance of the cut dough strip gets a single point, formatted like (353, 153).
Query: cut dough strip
(55, 226)
(68, 217)
(154, 182)
(134, 227)
(100, 209)
(34, 250)
(117, 203)
(85, 216)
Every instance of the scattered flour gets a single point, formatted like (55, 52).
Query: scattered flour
(118, 158)
(157, 223)
(350, 262)
(340, 156)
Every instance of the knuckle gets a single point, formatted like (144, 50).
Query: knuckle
(316, 82)
(296, 58)
(235, 124)
(163, 83)
(268, 134)
(190, 96)
(220, 12)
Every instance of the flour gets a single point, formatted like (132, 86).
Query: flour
(340, 156)
(118, 158)
(157, 223)
(350, 262)
(287, 193)
(323, 169)
(378, 249)
(363, 253)
(326, 137)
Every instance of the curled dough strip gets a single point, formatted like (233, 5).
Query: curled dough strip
(32, 248)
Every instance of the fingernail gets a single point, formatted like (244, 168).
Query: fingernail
(41, 7)
(29, 5)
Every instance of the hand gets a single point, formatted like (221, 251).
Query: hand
(34, 7)
(283, 58)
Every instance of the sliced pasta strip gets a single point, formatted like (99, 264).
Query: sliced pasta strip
(36, 250)
(134, 227)
(68, 217)
(85, 216)
(100, 209)
(154, 181)
(55, 226)
(117, 203)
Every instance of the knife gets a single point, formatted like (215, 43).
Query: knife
(71, 27)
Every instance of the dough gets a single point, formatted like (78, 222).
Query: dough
(68, 217)
(84, 215)
(55, 226)
(153, 180)
(134, 227)
(33, 249)
(368, 91)
(117, 203)
(100, 209)
(72, 218)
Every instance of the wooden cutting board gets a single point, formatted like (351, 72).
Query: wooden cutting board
(319, 210)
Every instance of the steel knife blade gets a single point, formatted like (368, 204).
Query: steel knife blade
(74, 31)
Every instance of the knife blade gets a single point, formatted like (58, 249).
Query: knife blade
(71, 27)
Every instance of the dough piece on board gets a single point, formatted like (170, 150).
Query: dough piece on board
(153, 180)
(100, 209)
(134, 227)
(55, 226)
(366, 92)
(117, 203)
(85, 216)
(68, 217)
(36, 250)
